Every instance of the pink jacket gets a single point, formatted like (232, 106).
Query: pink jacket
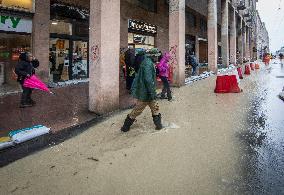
(163, 66)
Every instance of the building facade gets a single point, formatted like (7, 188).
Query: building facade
(262, 38)
(80, 41)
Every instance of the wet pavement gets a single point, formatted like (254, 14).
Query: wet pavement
(263, 137)
(213, 144)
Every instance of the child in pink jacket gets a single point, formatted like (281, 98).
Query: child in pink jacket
(163, 68)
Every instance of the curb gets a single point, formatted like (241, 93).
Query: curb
(40, 143)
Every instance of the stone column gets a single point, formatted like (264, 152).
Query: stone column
(240, 41)
(244, 41)
(104, 43)
(233, 38)
(247, 43)
(212, 35)
(225, 32)
(40, 37)
(197, 48)
(177, 40)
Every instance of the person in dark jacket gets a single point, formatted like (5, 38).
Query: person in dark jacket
(25, 69)
(130, 67)
(144, 90)
(139, 59)
(193, 63)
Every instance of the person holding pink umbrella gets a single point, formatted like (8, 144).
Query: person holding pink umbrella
(25, 69)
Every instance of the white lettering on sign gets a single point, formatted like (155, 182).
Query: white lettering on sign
(140, 26)
(15, 24)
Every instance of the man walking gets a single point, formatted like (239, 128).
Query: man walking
(144, 90)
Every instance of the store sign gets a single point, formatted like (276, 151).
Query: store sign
(26, 5)
(139, 26)
(15, 24)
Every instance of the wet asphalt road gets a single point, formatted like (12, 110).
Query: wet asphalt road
(263, 157)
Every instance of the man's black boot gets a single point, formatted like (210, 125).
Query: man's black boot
(127, 124)
(157, 119)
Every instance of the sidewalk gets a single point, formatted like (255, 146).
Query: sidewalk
(197, 152)
(57, 111)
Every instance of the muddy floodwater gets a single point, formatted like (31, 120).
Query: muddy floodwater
(213, 144)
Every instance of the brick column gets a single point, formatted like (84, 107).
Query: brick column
(40, 37)
(212, 35)
(104, 43)
(225, 32)
(233, 38)
(177, 40)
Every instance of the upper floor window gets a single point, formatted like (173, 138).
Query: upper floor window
(150, 5)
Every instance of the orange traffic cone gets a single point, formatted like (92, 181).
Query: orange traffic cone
(252, 66)
(257, 66)
(247, 70)
(240, 72)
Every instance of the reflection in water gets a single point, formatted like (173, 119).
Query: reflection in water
(263, 159)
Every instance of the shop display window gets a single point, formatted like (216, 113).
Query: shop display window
(59, 60)
(141, 41)
(80, 60)
(11, 45)
(68, 57)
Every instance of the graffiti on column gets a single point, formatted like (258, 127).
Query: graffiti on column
(173, 53)
(173, 61)
(176, 5)
(95, 53)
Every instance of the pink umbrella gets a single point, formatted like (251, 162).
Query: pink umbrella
(35, 83)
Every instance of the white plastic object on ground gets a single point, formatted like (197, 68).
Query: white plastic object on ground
(4, 145)
(26, 135)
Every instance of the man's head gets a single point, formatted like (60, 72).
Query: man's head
(26, 56)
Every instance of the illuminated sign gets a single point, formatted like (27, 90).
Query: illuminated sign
(139, 26)
(26, 5)
(15, 24)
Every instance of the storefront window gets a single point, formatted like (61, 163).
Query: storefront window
(141, 41)
(11, 45)
(80, 60)
(68, 56)
(141, 34)
(59, 60)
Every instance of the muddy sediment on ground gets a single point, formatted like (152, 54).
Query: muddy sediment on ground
(200, 151)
